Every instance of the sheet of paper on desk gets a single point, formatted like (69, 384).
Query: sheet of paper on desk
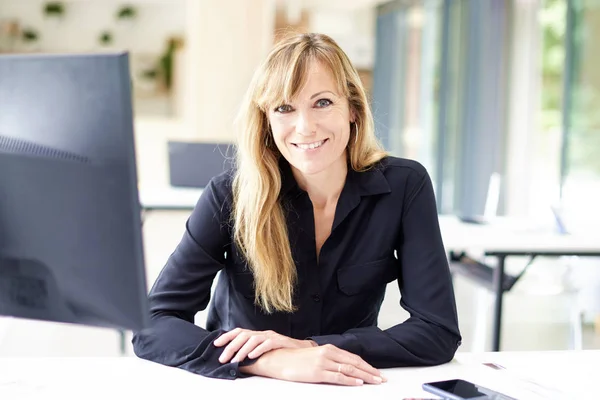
(534, 386)
(536, 375)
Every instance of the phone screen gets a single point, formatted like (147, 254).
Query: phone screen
(459, 388)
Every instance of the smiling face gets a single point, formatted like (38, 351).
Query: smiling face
(313, 129)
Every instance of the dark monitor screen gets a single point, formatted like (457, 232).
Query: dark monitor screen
(194, 164)
(70, 229)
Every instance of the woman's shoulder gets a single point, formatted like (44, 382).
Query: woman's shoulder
(224, 179)
(402, 175)
(396, 168)
(220, 186)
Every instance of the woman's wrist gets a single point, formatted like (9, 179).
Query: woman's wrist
(248, 369)
(254, 368)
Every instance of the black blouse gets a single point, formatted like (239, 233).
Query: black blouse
(385, 228)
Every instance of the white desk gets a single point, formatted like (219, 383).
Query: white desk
(508, 236)
(168, 197)
(505, 237)
(564, 375)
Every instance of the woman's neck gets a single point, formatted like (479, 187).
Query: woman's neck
(325, 187)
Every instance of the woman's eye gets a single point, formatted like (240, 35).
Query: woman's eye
(323, 103)
(283, 109)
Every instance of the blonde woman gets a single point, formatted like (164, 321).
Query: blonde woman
(307, 231)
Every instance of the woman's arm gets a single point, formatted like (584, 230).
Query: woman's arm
(183, 288)
(431, 335)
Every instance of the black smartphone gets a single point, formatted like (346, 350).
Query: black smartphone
(457, 389)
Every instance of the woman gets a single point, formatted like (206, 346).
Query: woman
(310, 227)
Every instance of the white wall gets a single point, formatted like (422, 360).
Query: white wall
(83, 21)
(352, 29)
(78, 30)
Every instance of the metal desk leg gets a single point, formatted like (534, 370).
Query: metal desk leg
(122, 341)
(499, 292)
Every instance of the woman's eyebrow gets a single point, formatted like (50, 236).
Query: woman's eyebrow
(319, 93)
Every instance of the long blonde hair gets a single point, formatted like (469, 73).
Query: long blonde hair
(259, 224)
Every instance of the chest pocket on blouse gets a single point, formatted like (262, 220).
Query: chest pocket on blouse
(354, 279)
(242, 280)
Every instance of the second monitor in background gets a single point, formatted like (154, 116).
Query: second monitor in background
(194, 164)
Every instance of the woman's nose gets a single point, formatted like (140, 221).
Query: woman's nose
(305, 125)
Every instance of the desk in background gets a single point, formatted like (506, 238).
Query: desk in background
(528, 375)
(191, 167)
(506, 237)
(168, 198)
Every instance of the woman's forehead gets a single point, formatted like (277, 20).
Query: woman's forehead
(317, 74)
(314, 78)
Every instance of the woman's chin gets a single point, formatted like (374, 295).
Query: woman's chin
(309, 168)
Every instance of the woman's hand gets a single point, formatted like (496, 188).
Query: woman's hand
(322, 364)
(253, 344)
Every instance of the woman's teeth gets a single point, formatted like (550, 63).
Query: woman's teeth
(309, 146)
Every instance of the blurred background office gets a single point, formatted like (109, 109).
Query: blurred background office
(486, 94)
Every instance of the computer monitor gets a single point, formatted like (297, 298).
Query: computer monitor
(70, 228)
(194, 164)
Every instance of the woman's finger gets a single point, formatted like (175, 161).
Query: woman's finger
(344, 357)
(266, 346)
(338, 378)
(249, 346)
(354, 372)
(227, 337)
(234, 346)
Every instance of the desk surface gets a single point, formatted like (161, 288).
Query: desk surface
(507, 235)
(528, 375)
(168, 198)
